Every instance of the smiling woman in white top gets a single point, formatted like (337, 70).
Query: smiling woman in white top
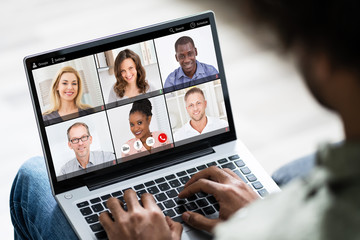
(130, 77)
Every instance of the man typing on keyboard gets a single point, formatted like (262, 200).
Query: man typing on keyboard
(323, 36)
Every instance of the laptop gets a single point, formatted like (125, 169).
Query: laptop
(99, 138)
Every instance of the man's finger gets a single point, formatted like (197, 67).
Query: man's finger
(213, 173)
(106, 221)
(202, 185)
(148, 201)
(115, 207)
(131, 200)
(231, 173)
(199, 221)
(175, 228)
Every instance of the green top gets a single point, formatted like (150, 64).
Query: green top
(324, 205)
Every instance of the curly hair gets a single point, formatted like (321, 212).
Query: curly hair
(121, 84)
(144, 106)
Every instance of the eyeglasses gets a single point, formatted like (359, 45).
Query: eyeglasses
(76, 140)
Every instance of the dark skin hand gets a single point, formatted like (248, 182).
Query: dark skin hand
(228, 189)
(139, 222)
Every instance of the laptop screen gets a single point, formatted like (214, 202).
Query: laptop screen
(118, 100)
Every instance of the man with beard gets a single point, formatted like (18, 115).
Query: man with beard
(199, 123)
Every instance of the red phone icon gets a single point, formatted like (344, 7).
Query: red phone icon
(162, 137)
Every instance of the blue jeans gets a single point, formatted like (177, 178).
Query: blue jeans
(34, 212)
(36, 215)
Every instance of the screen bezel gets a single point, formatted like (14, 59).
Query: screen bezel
(150, 161)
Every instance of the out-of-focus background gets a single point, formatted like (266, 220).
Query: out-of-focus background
(274, 114)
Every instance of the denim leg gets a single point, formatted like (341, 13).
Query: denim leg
(34, 212)
(295, 169)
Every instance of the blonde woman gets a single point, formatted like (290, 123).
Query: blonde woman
(130, 77)
(66, 93)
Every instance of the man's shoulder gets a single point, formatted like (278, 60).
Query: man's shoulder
(208, 67)
(171, 78)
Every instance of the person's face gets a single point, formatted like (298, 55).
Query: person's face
(82, 148)
(128, 70)
(186, 56)
(139, 124)
(68, 86)
(195, 106)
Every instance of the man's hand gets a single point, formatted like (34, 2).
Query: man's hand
(147, 222)
(228, 189)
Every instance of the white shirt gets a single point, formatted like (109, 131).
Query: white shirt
(187, 131)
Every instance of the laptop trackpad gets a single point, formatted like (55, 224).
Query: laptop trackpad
(190, 233)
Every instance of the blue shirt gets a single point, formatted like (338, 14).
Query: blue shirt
(177, 78)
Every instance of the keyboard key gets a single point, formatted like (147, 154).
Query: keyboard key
(245, 170)
(178, 219)
(149, 183)
(126, 189)
(105, 197)
(164, 186)
(153, 190)
(160, 206)
(160, 180)
(86, 211)
(97, 207)
(241, 176)
(96, 227)
(171, 193)
(229, 165)
(202, 202)
(201, 167)
(217, 207)
(169, 177)
(180, 209)
(141, 192)
(82, 204)
(161, 197)
(92, 218)
(191, 170)
(138, 187)
(211, 164)
(240, 163)
(116, 194)
(184, 180)
(175, 183)
(191, 206)
(192, 198)
(234, 157)
(257, 185)
(179, 189)
(201, 194)
(121, 198)
(251, 177)
(179, 201)
(95, 200)
(199, 211)
(263, 192)
(169, 203)
(209, 210)
(169, 212)
(101, 235)
(222, 161)
(211, 199)
(181, 174)
(105, 206)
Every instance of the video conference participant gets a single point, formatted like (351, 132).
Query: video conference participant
(190, 69)
(65, 95)
(130, 77)
(199, 123)
(79, 140)
(139, 119)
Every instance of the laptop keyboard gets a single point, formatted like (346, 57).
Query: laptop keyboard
(165, 191)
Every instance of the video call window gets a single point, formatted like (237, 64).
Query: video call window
(69, 89)
(140, 128)
(197, 111)
(128, 71)
(66, 149)
(178, 99)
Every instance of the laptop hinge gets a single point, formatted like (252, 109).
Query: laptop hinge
(97, 183)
